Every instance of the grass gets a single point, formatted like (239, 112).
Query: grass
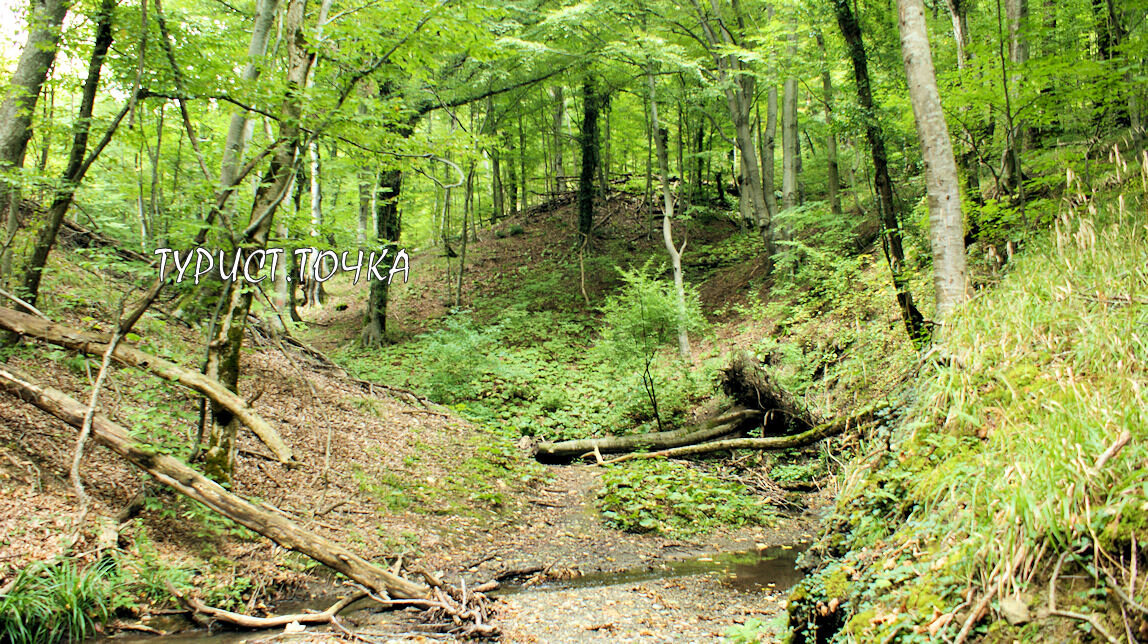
(56, 601)
(997, 467)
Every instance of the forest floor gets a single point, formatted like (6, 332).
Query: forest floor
(389, 478)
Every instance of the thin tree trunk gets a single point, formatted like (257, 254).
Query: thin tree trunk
(831, 171)
(739, 91)
(387, 232)
(522, 166)
(946, 226)
(891, 230)
(559, 128)
(44, 20)
(769, 156)
(673, 251)
(238, 130)
(77, 164)
(467, 215)
(789, 142)
(497, 206)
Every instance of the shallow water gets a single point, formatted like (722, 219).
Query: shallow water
(747, 571)
(773, 568)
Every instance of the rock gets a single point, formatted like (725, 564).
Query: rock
(1015, 611)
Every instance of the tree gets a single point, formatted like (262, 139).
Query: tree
(891, 228)
(738, 86)
(674, 252)
(588, 141)
(78, 158)
(946, 226)
(224, 347)
(44, 20)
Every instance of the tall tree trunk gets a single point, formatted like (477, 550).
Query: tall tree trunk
(591, 104)
(524, 202)
(789, 142)
(44, 20)
(1016, 139)
(891, 230)
(467, 216)
(768, 158)
(224, 348)
(497, 207)
(76, 158)
(511, 203)
(946, 226)
(674, 252)
(969, 163)
(389, 227)
(958, 12)
(739, 92)
(559, 131)
(832, 175)
(238, 129)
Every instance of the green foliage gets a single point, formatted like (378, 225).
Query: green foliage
(998, 447)
(57, 600)
(646, 314)
(751, 632)
(675, 498)
(454, 357)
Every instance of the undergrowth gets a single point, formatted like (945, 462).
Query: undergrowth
(1016, 450)
(672, 497)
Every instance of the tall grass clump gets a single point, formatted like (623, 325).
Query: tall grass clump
(56, 601)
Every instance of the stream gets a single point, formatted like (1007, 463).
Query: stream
(771, 570)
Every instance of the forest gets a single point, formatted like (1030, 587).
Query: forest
(795, 321)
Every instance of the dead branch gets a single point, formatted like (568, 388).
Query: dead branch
(85, 342)
(86, 429)
(247, 621)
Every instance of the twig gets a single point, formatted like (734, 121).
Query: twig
(86, 427)
(31, 309)
(1112, 451)
(983, 602)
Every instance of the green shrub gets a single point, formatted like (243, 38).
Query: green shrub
(646, 314)
(454, 358)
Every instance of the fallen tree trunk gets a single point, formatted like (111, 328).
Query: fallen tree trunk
(808, 437)
(177, 475)
(728, 423)
(91, 343)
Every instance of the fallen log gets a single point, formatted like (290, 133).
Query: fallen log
(126, 354)
(728, 423)
(820, 432)
(76, 236)
(177, 475)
